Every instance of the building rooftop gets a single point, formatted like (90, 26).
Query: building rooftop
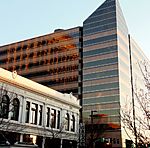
(15, 79)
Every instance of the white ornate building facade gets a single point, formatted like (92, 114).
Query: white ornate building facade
(33, 113)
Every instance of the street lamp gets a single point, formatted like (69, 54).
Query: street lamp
(92, 111)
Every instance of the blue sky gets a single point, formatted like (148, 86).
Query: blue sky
(23, 19)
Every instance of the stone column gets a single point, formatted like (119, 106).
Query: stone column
(30, 113)
(21, 137)
(22, 110)
(44, 115)
(61, 142)
(38, 113)
(43, 142)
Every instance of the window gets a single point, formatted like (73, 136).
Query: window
(67, 123)
(114, 141)
(110, 140)
(53, 118)
(27, 112)
(73, 123)
(15, 109)
(48, 116)
(40, 115)
(4, 108)
(58, 119)
(34, 110)
(117, 141)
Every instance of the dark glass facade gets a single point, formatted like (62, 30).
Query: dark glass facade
(100, 56)
(106, 67)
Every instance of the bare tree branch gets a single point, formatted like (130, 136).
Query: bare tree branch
(142, 108)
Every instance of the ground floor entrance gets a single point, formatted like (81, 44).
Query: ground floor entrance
(11, 138)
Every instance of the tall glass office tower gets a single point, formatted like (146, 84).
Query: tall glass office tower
(106, 67)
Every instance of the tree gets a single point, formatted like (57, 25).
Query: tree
(136, 114)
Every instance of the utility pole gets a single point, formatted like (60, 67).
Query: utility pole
(133, 101)
(92, 111)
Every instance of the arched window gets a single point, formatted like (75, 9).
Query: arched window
(67, 123)
(15, 109)
(4, 107)
(73, 123)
